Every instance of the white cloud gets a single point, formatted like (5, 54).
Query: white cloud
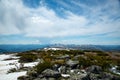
(22, 42)
(55, 26)
(43, 22)
(85, 41)
(12, 15)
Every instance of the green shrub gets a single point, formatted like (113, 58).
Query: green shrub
(61, 62)
(42, 66)
(27, 57)
(84, 62)
(102, 54)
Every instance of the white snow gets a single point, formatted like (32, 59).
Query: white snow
(5, 66)
(52, 48)
(11, 76)
(65, 75)
(4, 56)
(114, 70)
(30, 64)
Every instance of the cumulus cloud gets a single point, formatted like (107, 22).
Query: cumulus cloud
(16, 18)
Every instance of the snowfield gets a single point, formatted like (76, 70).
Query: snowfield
(5, 66)
(11, 76)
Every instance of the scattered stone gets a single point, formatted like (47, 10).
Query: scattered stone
(72, 64)
(94, 69)
(32, 73)
(63, 57)
(101, 76)
(62, 69)
(51, 73)
(55, 67)
(69, 70)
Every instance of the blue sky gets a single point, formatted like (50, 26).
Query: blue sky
(60, 21)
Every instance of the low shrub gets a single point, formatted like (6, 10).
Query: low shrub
(84, 62)
(61, 62)
(27, 57)
(12, 70)
(23, 78)
(42, 66)
(102, 54)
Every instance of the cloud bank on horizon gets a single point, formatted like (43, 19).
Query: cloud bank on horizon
(60, 21)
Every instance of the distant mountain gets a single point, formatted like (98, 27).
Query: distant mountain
(21, 48)
(90, 47)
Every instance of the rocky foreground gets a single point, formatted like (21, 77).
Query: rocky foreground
(65, 65)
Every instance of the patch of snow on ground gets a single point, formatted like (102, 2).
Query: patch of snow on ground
(30, 64)
(11, 76)
(65, 75)
(114, 70)
(5, 66)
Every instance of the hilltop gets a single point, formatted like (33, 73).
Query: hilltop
(67, 64)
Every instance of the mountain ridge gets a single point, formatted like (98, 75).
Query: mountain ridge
(22, 48)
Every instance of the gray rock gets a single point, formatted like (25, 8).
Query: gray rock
(51, 79)
(76, 77)
(76, 74)
(94, 69)
(45, 78)
(63, 57)
(72, 64)
(40, 79)
(55, 67)
(101, 76)
(62, 69)
(32, 73)
(51, 73)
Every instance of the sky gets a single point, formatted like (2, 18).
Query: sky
(94, 22)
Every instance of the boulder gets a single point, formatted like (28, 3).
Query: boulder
(55, 67)
(77, 74)
(62, 69)
(72, 64)
(32, 73)
(101, 76)
(94, 69)
(63, 57)
(40, 79)
(51, 73)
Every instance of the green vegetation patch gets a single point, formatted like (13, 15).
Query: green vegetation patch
(42, 66)
(27, 57)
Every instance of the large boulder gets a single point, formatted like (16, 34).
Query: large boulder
(94, 69)
(51, 73)
(62, 69)
(63, 57)
(72, 64)
(55, 67)
(32, 73)
(77, 74)
(101, 76)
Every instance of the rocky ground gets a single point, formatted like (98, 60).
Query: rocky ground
(59, 65)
